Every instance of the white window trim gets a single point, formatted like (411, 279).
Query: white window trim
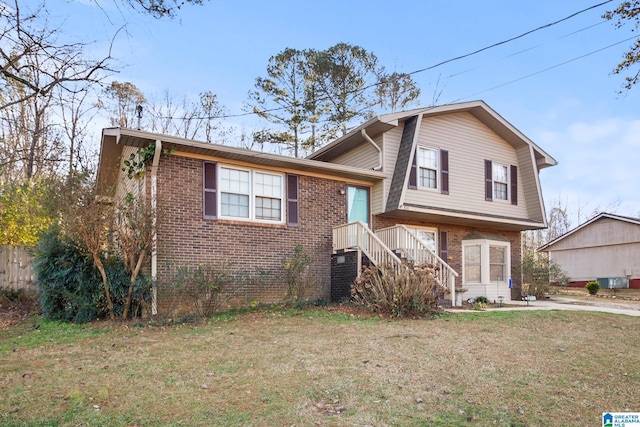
(418, 181)
(485, 265)
(252, 195)
(508, 182)
(415, 228)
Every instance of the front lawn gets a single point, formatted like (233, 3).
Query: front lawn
(320, 367)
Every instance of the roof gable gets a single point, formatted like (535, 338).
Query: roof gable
(478, 109)
(603, 236)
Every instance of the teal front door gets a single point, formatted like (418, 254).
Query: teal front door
(358, 205)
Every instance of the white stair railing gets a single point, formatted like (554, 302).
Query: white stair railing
(402, 240)
(357, 236)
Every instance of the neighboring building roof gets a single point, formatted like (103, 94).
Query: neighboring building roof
(114, 138)
(601, 215)
(479, 109)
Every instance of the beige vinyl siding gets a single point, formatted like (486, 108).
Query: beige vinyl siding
(366, 156)
(363, 156)
(469, 143)
(126, 185)
(602, 261)
(603, 232)
(604, 248)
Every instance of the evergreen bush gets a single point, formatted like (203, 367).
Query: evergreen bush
(69, 285)
(593, 287)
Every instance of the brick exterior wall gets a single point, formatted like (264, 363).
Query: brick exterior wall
(455, 235)
(344, 273)
(253, 251)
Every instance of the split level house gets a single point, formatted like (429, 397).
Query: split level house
(452, 185)
(605, 248)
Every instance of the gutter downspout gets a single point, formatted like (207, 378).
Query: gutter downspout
(368, 138)
(154, 238)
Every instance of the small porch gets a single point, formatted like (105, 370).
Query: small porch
(355, 245)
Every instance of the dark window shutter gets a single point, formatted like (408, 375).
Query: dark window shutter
(209, 190)
(514, 184)
(444, 171)
(488, 180)
(413, 173)
(292, 200)
(444, 245)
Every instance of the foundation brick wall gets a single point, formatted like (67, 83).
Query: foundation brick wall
(254, 251)
(455, 235)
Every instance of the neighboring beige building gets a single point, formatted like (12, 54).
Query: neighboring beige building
(605, 248)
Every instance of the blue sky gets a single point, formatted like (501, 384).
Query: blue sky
(572, 110)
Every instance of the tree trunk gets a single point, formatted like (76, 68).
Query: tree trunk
(98, 262)
(134, 275)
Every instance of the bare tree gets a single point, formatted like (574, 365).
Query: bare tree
(122, 100)
(30, 55)
(86, 219)
(76, 112)
(157, 8)
(628, 12)
(134, 234)
(187, 118)
(396, 90)
(31, 146)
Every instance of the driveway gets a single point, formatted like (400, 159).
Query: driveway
(604, 305)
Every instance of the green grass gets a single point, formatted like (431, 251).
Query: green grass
(319, 367)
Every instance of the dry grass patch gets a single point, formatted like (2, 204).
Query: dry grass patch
(322, 368)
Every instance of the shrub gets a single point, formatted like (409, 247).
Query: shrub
(298, 277)
(203, 285)
(481, 300)
(413, 290)
(539, 272)
(69, 285)
(12, 295)
(593, 287)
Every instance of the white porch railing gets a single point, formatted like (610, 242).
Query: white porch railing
(357, 236)
(400, 239)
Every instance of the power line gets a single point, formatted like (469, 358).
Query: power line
(546, 69)
(466, 55)
(457, 58)
(530, 48)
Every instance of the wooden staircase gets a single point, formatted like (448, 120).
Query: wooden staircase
(389, 247)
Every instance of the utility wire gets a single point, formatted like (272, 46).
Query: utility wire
(466, 55)
(529, 48)
(545, 69)
(439, 64)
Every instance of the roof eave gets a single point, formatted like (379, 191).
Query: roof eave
(141, 139)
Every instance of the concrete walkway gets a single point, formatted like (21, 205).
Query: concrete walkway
(565, 303)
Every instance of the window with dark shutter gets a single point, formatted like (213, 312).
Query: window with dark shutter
(514, 184)
(293, 211)
(444, 245)
(413, 173)
(444, 171)
(488, 180)
(209, 190)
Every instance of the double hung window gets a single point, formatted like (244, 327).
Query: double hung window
(501, 182)
(427, 168)
(246, 194)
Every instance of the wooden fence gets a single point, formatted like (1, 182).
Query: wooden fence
(16, 269)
